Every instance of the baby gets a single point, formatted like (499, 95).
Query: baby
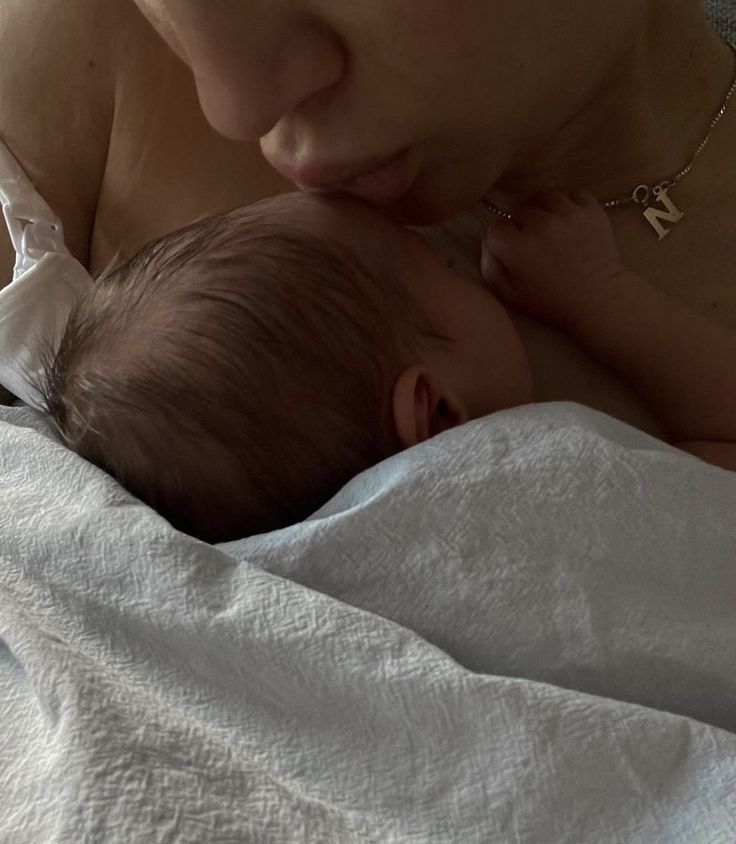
(236, 373)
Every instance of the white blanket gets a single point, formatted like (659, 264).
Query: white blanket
(517, 617)
(722, 14)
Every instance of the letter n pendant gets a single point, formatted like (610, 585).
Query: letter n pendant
(670, 214)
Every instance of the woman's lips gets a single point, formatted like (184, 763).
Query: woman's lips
(384, 185)
(379, 184)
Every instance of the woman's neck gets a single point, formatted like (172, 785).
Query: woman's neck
(644, 122)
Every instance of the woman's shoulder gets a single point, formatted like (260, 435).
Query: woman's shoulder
(57, 89)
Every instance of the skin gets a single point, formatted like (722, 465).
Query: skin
(473, 364)
(132, 155)
(559, 261)
(333, 88)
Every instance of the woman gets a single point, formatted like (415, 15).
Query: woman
(421, 108)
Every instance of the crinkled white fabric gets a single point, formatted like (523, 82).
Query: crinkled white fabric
(497, 603)
(722, 14)
(549, 542)
(47, 282)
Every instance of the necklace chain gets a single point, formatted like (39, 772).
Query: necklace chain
(642, 194)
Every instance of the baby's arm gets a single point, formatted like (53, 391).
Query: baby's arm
(559, 263)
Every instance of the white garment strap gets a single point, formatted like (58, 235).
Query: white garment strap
(33, 226)
(47, 282)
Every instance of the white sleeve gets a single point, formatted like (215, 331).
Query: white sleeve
(47, 282)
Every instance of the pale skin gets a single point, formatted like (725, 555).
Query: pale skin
(127, 141)
(558, 261)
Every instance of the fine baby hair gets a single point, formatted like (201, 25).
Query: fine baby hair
(235, 373)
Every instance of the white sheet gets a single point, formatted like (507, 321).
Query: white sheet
(156, 689)
(722, 14)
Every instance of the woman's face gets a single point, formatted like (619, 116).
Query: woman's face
(412, 105)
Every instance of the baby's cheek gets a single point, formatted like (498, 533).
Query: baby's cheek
(512, 363)
(491, 371)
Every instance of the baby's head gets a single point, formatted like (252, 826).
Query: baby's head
(236, 373)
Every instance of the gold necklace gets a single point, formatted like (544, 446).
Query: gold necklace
(648, 195)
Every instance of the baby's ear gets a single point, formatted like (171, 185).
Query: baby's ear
(422, 409)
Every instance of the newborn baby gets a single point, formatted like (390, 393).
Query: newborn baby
(236, 373)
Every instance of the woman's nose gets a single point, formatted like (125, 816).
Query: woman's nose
(247, 84)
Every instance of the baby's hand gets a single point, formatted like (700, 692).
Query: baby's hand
(557, 261)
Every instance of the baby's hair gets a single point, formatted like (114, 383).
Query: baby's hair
(234, 374)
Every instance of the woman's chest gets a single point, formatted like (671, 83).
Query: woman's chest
(166, 166)
(695, 263)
